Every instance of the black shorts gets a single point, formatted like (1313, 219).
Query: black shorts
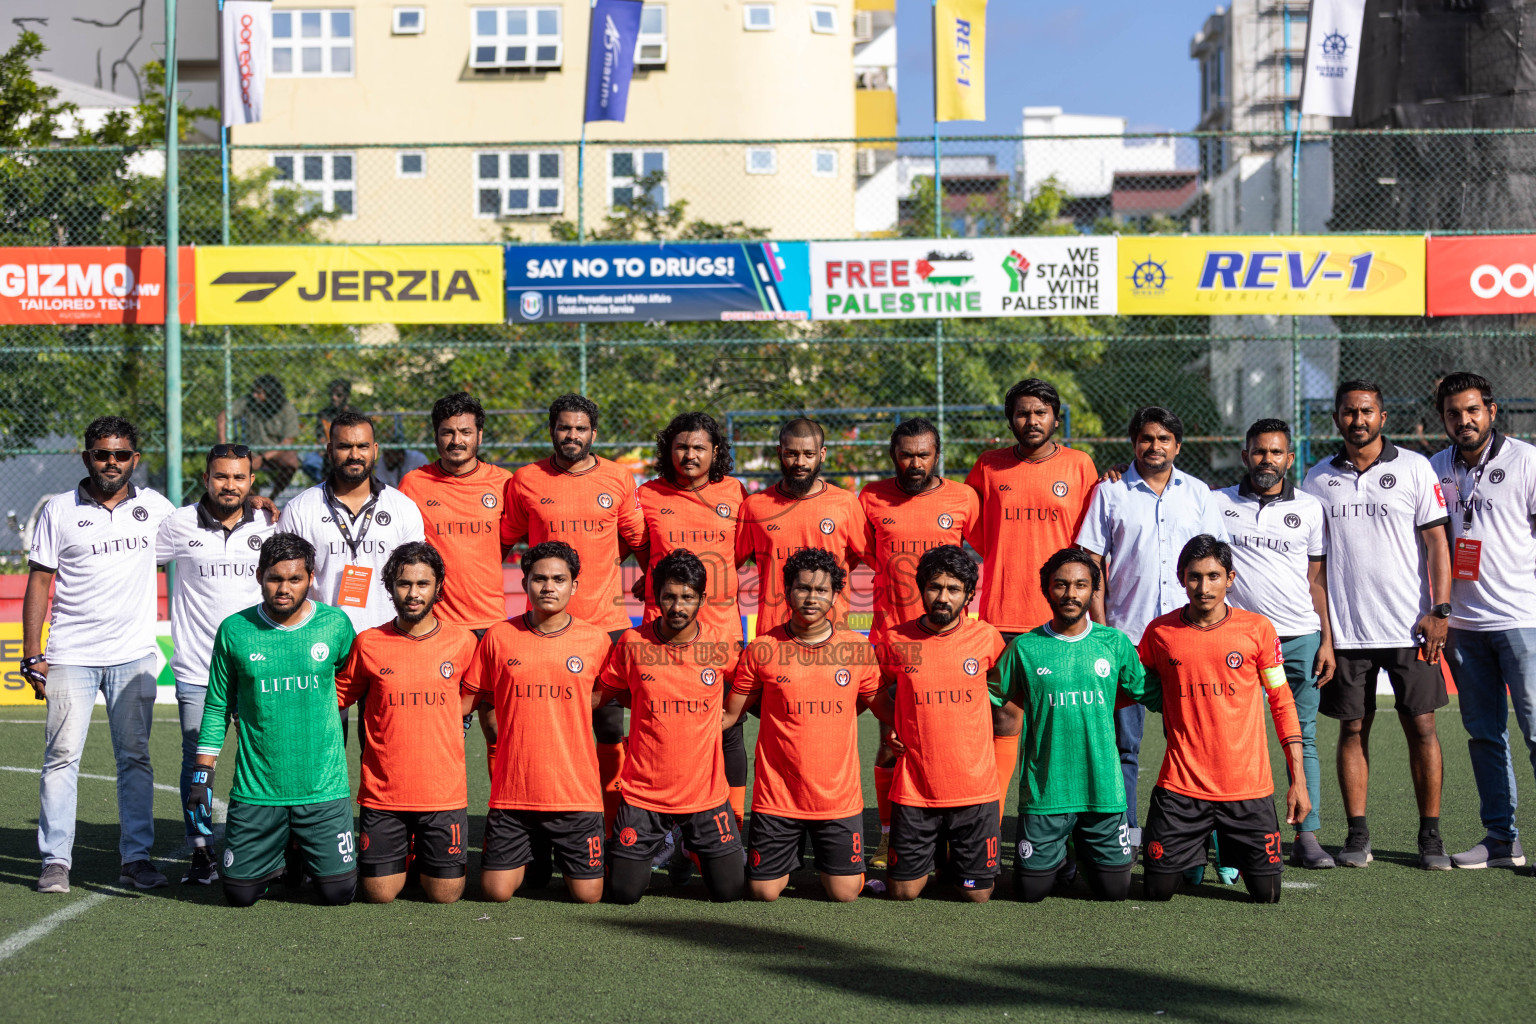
(773, 845)
(512, 838)
(1178, 826)
(1418, 686)
(437, 839)
(638, 834)
(971, 832)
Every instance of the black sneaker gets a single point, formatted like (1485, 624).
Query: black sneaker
(141, 874)
(1357, 850)
(1432, 855)
(202, 871)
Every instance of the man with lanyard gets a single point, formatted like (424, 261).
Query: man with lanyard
(1278, 546)
(1491, 642)
(215, 544)
(1138, 523)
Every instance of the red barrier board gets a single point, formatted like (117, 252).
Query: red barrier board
(90, 285)
(1472, 274)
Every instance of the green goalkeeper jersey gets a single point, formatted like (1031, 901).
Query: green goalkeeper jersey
(280, 682)
(1067, 688)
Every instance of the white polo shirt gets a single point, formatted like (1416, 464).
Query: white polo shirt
(1274, 540)
(1141, 533)
(1378, 578)
(104, 585)
(215, 577)
(1501, 500)
(386, 521)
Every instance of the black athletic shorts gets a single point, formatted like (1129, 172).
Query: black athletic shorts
(1418, 686)
(436, 838)
(971, 832)
(773, 845)
(512, 838)
(1177, 827)
(638, 834)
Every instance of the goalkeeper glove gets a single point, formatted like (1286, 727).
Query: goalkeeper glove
(199, 810)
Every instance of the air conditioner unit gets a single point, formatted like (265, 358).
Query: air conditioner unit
(863, 26)
(864, 163)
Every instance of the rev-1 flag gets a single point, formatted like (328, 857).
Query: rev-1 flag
(244, 55)
(1333, 57)
(611, 57)
(959, 64)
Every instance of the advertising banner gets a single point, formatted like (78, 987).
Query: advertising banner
(611, 44)
(1471, 274)
(349, 284)
(1333, 57)
(963, 277)
(88, 285)
(1342, 275)
(244, 54)
(660, 281)
(960, 68)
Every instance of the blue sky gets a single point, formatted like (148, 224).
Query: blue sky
(1128, 58)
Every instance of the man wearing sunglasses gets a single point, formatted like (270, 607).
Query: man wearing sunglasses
(95, 547)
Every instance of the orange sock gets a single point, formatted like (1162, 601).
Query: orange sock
(883, 778)
(1005, 749)
(490, 760)
(739, 805)
(610, 758)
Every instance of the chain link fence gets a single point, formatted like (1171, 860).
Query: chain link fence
(1219, 373)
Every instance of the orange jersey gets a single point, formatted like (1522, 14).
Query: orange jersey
(902, 527)
(943, 712)
(1214, 681)
(462, 517)
(674, 763)
(409, 686)
(1029, 511)
(775, 526)
(808, 742)
(704, 522)
(541, 686)
(592, 512)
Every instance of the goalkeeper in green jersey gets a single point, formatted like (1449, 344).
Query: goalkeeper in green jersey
(274, 668)
(1059, 683)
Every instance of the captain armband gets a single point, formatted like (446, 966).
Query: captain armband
(1273, 676)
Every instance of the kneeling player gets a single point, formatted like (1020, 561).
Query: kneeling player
(1065, 676)
(538, 672)
(673, 675)
(407, 674)
(812, 680)
(274, 665)
(945, 786)
(1214, 661)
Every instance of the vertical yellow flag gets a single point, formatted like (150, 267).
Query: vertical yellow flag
(960, 54)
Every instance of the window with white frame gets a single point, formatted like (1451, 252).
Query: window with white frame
(823, 19)
(409, 21)
(626, 169)
(327, 180)
(314, 44)
(651, 44)
(757, 17)
(515, 37)
(824, 163)
(519, 183)
(762, 160)
(410, 163)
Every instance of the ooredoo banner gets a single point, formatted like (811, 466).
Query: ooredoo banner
(1471, 274)
(963, 277)
(89, 285)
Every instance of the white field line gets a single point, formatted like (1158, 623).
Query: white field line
(220, 808)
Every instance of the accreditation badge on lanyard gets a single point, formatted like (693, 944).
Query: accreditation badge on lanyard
(1467, 555)
(355, 579)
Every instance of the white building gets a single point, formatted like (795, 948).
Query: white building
(1084, 166)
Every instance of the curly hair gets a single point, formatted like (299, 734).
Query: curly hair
(416, 552)
(687, 423)
(814, 560)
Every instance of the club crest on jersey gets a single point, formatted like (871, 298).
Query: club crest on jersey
(605, 500)
(1026, 849)
(1101, 668)
(1059, 488)
(842, 677)
(141, 513)
(488, 499)
(827, 526)
(971, 666)
(708, 677)
(946, 521)
(446, 670)
(1388, 481)
(253, 542)
(229, 856)
(627, 837)
(1292, 520)
(320, 652)
(755, 857)
(1234, 660)
(573, 663)
(382, 518)
(723, 510)
(1496, 477)
(1155, 848)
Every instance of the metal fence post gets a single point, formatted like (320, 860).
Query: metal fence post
(1298, 470)
(173, 484)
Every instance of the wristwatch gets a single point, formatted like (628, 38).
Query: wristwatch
(1441, 611)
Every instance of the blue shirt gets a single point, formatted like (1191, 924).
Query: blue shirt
(1140, 534)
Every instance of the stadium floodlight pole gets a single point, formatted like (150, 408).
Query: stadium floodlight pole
(173, 483)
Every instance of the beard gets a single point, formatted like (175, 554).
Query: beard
(1267, 477)
(584, 448)
(412, 617)
(1476, 443)
(353, 471)
(1071, 617)
(225, 506)
(106, 486)
(942, 614)
(914, 483)
(800, 487)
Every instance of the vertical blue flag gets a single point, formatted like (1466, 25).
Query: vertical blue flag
(611, 57)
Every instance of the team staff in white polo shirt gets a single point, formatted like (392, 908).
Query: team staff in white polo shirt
(214, 544)
(1136, 525)
(95, 546)
(1389, 590)
(1279, 544)
(1489, 481)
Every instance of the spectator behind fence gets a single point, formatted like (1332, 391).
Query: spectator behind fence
(267, 422)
